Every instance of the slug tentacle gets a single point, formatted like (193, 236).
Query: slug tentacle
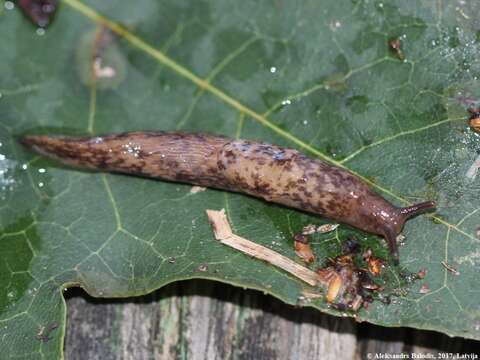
(416, 209)
(276, 174)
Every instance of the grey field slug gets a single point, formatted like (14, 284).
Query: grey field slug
(276, 174)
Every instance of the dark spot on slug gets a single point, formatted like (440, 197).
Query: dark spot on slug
(229, 154)
(220, 165)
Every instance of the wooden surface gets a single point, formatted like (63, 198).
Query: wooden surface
(206, 320)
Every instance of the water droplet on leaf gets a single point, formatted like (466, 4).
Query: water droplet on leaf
(9, 5)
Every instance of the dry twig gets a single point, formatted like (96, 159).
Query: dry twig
(450, 268)
(223, 233)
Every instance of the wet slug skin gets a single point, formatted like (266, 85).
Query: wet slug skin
(276, 174)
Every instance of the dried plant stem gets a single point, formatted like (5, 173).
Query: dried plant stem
(450, 268)
(223, 233)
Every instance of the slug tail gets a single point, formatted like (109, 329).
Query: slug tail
(32, 141)
(182, 157)
(416, 209)
(43, 144)
(69, 151)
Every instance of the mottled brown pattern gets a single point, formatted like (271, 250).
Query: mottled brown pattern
(276, 174)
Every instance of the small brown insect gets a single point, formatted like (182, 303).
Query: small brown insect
(395, 45)
(375, 265)
(303, 248)
(304, 251)
(348, 286)
(474, 120)
(334, 283)
(421, 274)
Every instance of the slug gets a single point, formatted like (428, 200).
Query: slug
(276, 174)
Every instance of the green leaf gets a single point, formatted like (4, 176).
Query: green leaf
(317, 76)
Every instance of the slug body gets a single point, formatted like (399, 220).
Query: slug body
(276, 174)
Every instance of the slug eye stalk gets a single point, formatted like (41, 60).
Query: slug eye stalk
(417, 209)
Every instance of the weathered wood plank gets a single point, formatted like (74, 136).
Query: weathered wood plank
(207, 320)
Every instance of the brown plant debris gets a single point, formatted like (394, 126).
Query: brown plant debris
(39, 12)
(326, 228)
(450, 268)
(322, 229)
(44, 332)
(100, 62)
(421, 274)
(474, 119)
(203, 267)
(350, 246)
(424, 289)
(346, 286)
(396, 46)
(309, 229)
(197, 189)
(309, 295)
